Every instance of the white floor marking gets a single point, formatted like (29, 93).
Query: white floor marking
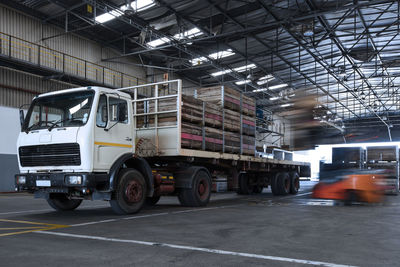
(207, 250)
(297, 195)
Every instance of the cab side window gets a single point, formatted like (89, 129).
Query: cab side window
(102, 114)
(118, 110)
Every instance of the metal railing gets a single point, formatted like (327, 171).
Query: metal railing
(22, 50)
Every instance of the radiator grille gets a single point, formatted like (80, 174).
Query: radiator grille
(50, 155)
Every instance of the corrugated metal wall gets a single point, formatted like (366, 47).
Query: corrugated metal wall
(18, 88)
(19, 25)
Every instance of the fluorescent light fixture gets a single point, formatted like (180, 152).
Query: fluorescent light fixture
(216, 55)
(222, 72)
(242, 82)
(238, 69)
(274, 98)
(265, 79)
(245, 68)
(108, 16)
(137, 6)
(278, 86)
(260, 90)
(187, 34)
(286, 105)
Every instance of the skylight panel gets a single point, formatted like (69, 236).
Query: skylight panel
(187, 34)
(137, 6)
(216, 55)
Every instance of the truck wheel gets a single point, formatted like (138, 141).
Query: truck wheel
(199, 194)
(61, 202)
(244, 187)
(274, 181)
(283, 183)
(294, 183)
(130, 195)
(151, 201)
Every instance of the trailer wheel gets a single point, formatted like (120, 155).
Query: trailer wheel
(151, 201)
(61, 202)
(244, 187)
(130, 194)
(199, 194)
(283, 183)
(294, 183)
(274, 182)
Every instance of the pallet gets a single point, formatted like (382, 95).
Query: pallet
(232, 142)
(232, 121)
(249, 106)
(191, 136)
(213, 115)
(248, 125)
(220, 94)
(213, 139)
(248, 145)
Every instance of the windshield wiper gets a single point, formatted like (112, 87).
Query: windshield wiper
(61, 121)
(33, 125)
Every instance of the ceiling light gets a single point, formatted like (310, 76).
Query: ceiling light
(274, 98)
(260, 90)
(216, 55)
(242, 82)
(245, 68)
(278, 86)
(286, 105)
(222, 72)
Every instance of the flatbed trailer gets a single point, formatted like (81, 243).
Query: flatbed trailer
(128, 145)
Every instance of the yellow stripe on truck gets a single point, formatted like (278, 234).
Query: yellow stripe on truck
(112, 144)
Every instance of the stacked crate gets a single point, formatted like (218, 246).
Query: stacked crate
(248, 125)
(238, 117)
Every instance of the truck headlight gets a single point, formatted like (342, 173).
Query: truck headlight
(74, 179)
(21, 179)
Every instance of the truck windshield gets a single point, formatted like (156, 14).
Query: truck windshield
(61, 110)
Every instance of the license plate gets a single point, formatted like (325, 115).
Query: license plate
(43, 183)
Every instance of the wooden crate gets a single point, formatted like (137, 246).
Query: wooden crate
(232, 142)
(248, 145)
(213, 115)
(191, 136)
(213, 139)
(231, 97)
(192, 109)
(249, 106)
(232, 121)
(248, 125)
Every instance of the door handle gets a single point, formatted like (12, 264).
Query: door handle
(128, 139)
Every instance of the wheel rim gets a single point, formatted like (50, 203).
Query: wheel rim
(287, 184)
(202, 189)
(133, 192)
(297, 183)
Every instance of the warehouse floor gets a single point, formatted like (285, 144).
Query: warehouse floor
(232, 231)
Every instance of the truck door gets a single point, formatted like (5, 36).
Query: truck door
(113, 131)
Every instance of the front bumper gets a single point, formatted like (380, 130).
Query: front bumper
(58, 182)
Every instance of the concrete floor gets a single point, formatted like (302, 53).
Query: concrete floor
(257, 230)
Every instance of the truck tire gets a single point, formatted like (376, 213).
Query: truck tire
(244, 187)
(274, 180)
(61, 202)
(294, 183)
(199, 194)
(151, 201)
(283, 183)
(130, 194)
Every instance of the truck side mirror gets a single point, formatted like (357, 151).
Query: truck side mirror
(21, 117)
